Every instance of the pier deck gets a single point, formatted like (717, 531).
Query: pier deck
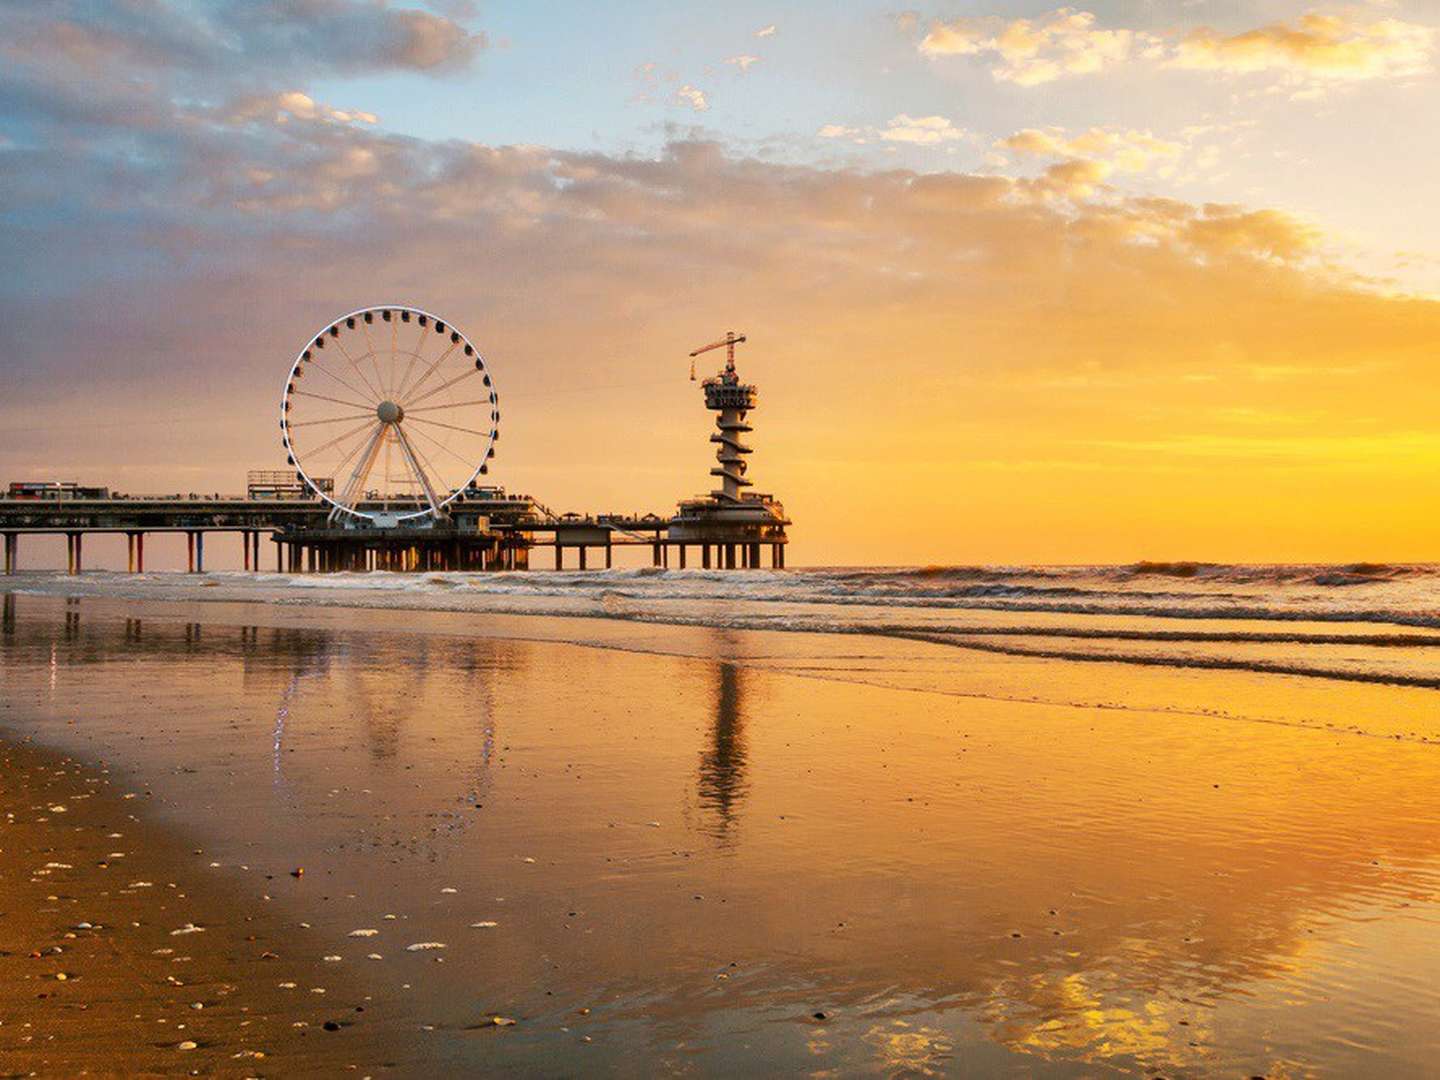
(481, 535)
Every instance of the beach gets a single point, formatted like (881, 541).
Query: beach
(1169, 821)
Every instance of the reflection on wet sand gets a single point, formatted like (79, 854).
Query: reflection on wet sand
(719, 858)
(721, 785)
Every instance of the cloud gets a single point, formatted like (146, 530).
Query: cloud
(692, 97)
(921, 129)
(238, 39)
(1076, 180)
(744, 62)
(1029, 52)
(1347, 46)
(918, 130)
(293, 104)
(766, 31)
(1220, 230)
(1068, 42)
(1126, 150)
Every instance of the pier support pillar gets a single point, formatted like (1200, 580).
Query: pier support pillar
(682, 556)
(559, 556)
(73, 553)
(705, 556)
(199, 552)
(582, 557)
(189, 552)
(729, 556)
(777, 556)
(12, 542)
(655, 553)
(129, 553)
(140, 553)
(609, 553)
(753, 560)
(245, 544)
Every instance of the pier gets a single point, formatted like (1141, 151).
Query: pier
(385, 504)
(499, 533)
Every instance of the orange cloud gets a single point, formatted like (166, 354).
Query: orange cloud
(1322, 46)
(1069, 42)
(1126, 150)
(1034, 51)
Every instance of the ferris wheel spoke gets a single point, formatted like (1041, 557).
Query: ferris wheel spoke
(363, 465)
(443, 386)
(428, 372)
(452, 427)
(411, 459)
(356, 365)
(451, 405)
(337, 401)
(470, 465)
(394, 353)
(427, 463)
(341, 438)
(333, 419)
(414, 354)
(395, 389)
(344, 462)
(348, 385)
(370, 345)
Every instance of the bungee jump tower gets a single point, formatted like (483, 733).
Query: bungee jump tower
(737, 522)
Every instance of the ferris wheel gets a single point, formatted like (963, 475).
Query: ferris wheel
(389, 414)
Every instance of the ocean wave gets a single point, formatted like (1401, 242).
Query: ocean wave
(1390, 595)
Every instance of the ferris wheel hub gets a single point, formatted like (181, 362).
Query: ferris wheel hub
(390, 413)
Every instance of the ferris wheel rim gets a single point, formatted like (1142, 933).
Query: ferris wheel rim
(436, 508)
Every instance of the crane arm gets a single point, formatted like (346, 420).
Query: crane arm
(731, 339)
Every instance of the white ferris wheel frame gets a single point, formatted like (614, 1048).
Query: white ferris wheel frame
(437, 508)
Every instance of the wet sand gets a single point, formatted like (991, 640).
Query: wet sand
(680, 849)
(118, 957)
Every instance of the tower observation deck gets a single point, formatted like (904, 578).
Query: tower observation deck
(732, 518)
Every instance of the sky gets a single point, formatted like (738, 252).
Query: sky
(1127, 280)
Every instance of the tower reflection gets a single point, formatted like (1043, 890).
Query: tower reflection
(722, 785)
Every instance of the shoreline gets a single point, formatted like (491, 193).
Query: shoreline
(1307, 678)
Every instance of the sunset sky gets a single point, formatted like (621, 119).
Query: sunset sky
(1121, 280)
